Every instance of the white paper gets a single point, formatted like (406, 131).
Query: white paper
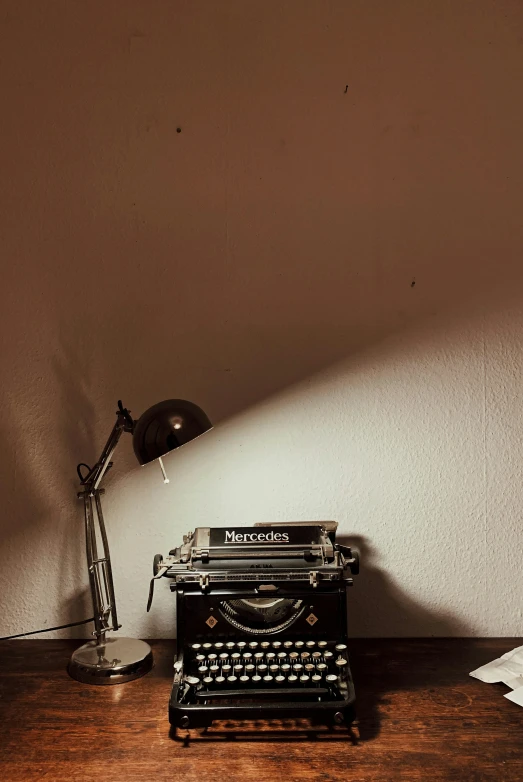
(507, 669)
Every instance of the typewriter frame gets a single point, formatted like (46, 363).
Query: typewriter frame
(201, 585)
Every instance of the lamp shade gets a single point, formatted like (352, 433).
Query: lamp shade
(166, 426)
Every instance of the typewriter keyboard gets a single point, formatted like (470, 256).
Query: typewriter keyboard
(281, 668)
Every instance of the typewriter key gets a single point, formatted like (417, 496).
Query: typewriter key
(250, 668)
(292, 678)
(305, 655)
(207, 680)
(237, 656)
(244, 679)
(214, 668)
(196, 647)
(232, 679)
(192, 680)
(287, 644)
(331, 677)
(322, 644)
(298, 667)
(256, 678)
(247, 655)
(253, 644)
(230, 645)
(218, 645)
(220, 679)
(299, 644)
(280, 678)
(223, 656)
(262, 668)
(310, 644)
(228, 668)
(316, 655)
(316, 678)
(321, 667)
(274, 668)
(340, 662)
(286, 667)
(310, 667)
(282, 655)
(293, 655)
(267, 678)
(212, 657)
(276, 644)
(202, 669)
(304, 678)
(270, 655)
(238, 668)
(340, 647)
(259, 656)
(200, 658)
(241, 644)
(265, 644)
(328, 655)
(207, 646)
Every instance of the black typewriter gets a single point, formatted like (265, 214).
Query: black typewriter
(261, 624)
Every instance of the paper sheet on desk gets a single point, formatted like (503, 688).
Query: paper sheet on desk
(507, 669)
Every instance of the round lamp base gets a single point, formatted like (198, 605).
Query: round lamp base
(116, 661)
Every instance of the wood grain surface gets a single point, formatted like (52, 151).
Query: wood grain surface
(421, 717)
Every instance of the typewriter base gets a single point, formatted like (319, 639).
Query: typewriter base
(202, 716)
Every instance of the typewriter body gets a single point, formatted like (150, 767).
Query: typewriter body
(261, 624)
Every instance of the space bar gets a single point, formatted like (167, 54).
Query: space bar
(253, 693)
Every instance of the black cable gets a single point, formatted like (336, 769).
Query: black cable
(48, 629)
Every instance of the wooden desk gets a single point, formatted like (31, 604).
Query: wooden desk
(421, 717)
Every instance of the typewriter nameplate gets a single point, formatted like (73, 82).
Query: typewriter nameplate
(266, 536)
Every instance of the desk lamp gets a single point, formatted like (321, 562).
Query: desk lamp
(162, 428)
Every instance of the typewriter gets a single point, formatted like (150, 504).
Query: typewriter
(261, 624)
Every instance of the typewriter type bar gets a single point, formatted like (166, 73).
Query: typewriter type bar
(261, 624)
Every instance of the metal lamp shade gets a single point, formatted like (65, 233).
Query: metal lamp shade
(166, 426)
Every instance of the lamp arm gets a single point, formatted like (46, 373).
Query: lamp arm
(99, 567)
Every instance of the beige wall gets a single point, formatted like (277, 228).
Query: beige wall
(327, 257)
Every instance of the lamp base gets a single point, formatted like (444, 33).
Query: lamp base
(115, 661)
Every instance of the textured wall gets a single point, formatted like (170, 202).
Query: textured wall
(327, 256)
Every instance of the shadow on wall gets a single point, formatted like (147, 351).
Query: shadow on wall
(377, 606)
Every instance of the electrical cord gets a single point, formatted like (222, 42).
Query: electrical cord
(48, 629)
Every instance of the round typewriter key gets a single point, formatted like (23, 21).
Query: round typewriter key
(244, 679)
(238, 668)
(247, 655)
(241, 644)
(292, 678)
(223, 656)
(253, 644)
(280, 678)
(274, 668)
(299, 644)
(316, 655)
(256, 678)
(207, 646)
(305, 655)
(262, 668)
(321, 667)
(237, 655)
(282, 655)
(207, 680)
(200, 658)
(287, 644)
(328, 655)
(270, 655)
(331, 677)
(196, 647)
(220, 679)
(232, 679)
(340, 662)
(214, 668)
(212, 656)
(250, 668)
(259, 656)
(192, 680)
(267, 678)
(265, 644)
(322, 644)
(310, 644)
(304, 678)
(310, 667)
(293, 655)
(228, 668)
(340, 647)
(230, 645)
(298, 667)
(286, 667)
(315, 678)
(276, 644)
(218, 645)
(202, 669)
